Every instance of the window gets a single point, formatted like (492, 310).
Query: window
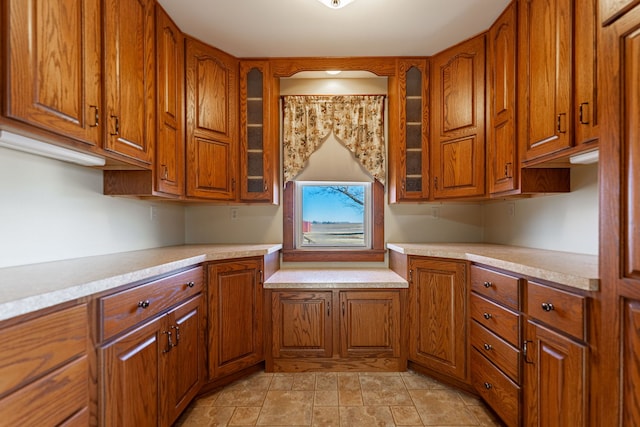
(333, 221)
(333, 215)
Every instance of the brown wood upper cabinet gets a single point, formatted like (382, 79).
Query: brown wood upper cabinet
(458, 125)
(585, 44)
(212, 122)
(611, 10)
(54, 67)
(259, 147)
(129, 78)
(409, 150)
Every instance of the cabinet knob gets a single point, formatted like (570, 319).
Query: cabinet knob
(488, 284)
(547, 306)
(487, 316)
(144, 304)
(487, 347)
(487, 386)
(191, 284)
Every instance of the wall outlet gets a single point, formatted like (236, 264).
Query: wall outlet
(153, 214)
(435, 213)
(233, 214)
(511, 209)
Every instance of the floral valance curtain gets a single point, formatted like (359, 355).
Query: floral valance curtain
(355, 120)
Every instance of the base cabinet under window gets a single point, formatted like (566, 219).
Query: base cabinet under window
(315, 330)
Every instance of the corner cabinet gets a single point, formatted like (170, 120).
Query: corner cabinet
(235, 316)
(53, 67)
(458, 125)
(259, 148)
(129, 78)
(409, 146)
(438, 331)
(211, 122)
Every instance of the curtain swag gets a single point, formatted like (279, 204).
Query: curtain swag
(355, 120)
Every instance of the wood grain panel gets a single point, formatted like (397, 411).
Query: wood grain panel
(631, 362)
(568, 312)
(502, 354)
(212, 95)
(503, 322)
(497, 286)
(51, 400)
(54, 66)
(457, 81)
(585, 91)
(41, 345)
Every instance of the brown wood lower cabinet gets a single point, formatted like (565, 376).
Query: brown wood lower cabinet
(235, 316)
(315, 330)
(150, 372)
(44, 370)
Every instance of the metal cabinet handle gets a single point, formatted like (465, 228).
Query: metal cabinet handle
(488, 386)
(488, 347)
(343, 310)
(582, 113)
(117, 126)
(559, 123)
(169, 342)
(96, 116)
(547, 306)
(487, 316)
(191, 284)
(525, 352)
(177, 328)
(144, 304)
(488, 284)
(328, 309)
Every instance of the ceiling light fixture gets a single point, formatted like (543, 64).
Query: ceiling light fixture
(333, 72)
(335, 4)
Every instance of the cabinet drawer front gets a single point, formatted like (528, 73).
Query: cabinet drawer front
(498, 351)
(498, 319)
(502, 394)
(559, 309)
(125, 309)
(51, 400)
(41, 344)
(500, 287)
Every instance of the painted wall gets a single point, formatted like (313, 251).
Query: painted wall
(51, 210)
(564, 222)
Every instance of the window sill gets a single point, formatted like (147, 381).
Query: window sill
(368, 255)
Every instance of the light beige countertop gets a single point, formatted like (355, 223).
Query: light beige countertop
(27, 288)
(570, 269)
(335, 278)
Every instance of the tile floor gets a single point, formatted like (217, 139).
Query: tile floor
(337, 399)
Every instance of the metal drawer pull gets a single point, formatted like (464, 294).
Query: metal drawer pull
(144, 304)
(488, 284)
(487, 386)
(547, 306)
(191, 284)
(487, 316)
(488, 347)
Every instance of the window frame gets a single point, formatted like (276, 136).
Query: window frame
(376, 253)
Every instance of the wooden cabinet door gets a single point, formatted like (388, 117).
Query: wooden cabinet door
(613, 9)
(129, 78)
(502, 150)
(169, 153)
(370, 324)
(458, 126)
(259, 147)
(131, 367)
(585, 43)
(438, 299)
(545, 64)
(54, 66)
(409, 144)
(235, 316)
(555, 380)
(184, 366)
(212, 142)
(302, 324)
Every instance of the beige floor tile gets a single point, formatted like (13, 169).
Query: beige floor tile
(366, 416)
(386, 396)
(348, 381)
(240, 397)
(220, 416)
(442, 408)
(286, 408)
(370, 382)
(257, 381)
(469, 399)
(304, 381)
(326, 381)
(281, 382)
(350, 398)
(415, 381)
(485, 416)
(326, 417)
(326, 398)
(406, 416)
(245, 416)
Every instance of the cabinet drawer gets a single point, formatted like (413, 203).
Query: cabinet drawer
(498, 351)
(125, 309)
(502, 394)
(498, 319)
(500, 287)
(556, 308)
(51, 400)
(39, 345)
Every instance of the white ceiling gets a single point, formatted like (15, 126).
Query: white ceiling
(298, 28)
